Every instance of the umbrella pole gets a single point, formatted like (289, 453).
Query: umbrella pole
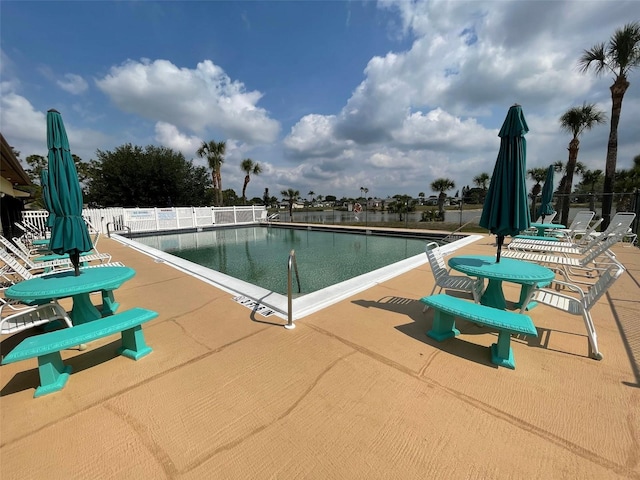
(75, 261)
(500, 241)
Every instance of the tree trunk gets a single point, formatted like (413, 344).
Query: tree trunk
(592, 199)
(215, 190)
(574, 146)
(560, 200)
(441, 198)
(219, 181)
(618, 89)
(244, 189)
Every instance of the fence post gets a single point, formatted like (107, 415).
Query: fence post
(636, 209)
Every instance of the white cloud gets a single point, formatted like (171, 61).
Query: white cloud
(195, 99)
(314, 136)
(20, 122)
(427, 109)
(169, 136)
(73, 84)
(434, 110)
(25, 128)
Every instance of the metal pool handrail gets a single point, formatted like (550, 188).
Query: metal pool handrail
(291, 265)
(449, 237)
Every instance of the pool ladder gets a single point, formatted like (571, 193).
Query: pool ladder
(292, 266)
(449, 238)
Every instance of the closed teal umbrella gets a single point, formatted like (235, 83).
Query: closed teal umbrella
(547, 195)
(505, 210)
(69, 233)
(46, 195)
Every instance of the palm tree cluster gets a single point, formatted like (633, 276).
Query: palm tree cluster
(619, 56)
(214, 153)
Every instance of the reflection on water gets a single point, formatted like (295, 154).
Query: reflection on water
(338, 217)
(259, 255)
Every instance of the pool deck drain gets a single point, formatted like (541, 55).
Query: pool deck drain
(253, 305)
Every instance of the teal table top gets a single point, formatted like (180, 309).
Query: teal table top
(509, 269)
(547, 225)
(66, 284)
(41, 241)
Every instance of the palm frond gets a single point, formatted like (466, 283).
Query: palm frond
(596, 57)
(624, 48)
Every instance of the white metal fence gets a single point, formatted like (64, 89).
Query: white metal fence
(158, 219)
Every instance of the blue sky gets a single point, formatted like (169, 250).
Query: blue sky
(326, 96)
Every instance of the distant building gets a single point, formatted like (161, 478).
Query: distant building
(12, 176)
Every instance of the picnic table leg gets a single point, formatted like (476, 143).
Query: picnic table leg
(501, 352)
(493, 295)
(83, 310)
(524, 294)
(525, 290)
(444, 326)
(109, 304)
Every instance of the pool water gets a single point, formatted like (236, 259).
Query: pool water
(259, 255)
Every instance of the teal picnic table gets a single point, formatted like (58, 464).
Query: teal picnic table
(546, 226)
(65, 284)
(42, 242)
(526, 274)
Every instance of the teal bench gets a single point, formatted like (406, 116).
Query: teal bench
(447, 308)
(537, 237)
(53, 373)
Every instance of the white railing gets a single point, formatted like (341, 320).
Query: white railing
(158, 219)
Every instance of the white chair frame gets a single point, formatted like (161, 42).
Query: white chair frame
(580, 305)
(443, 278)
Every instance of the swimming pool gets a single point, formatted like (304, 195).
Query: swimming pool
(252, 261)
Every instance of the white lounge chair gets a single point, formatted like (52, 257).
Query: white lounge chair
(578, 226)
(547, 218)
(534, 230)
(621, 221)
(30, 317)
(444, 279)
(518, 243)
(580, 305)
(62, 262)
(587, 264)
(566, 247)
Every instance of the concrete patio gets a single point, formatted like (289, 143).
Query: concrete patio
(357, 390)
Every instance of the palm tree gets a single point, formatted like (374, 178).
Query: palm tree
(481, 182)
(248, 167)
(266, 199)
(575, 121)
(290, 196)
(214, 153)
(442, 185)
(537, 174)
(619, 56)
(561, 167)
